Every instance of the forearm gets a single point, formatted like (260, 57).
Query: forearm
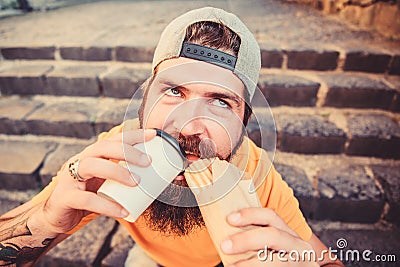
(24, 238)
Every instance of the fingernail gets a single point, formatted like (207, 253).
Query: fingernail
(135, 180)
(234, 217)
(124, 213)
(226, 245)
(145, 159)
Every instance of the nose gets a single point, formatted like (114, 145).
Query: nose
(189, 118)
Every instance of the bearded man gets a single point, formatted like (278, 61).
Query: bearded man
(204, 75)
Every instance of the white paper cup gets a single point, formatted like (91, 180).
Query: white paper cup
(168, 160)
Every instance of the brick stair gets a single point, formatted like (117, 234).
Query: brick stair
(339, 154)
(336, 109)
(306, 130)
(324, 119)
(315, 112)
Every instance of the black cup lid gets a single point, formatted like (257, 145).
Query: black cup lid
(173, 142)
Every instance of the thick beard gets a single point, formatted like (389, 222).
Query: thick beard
(174, 220)
(183, 216)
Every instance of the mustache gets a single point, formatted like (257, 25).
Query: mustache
(194, 145)
(190, 143)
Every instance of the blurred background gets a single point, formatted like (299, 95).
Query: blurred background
(330, 72)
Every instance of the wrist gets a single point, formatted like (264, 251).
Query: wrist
(39, 223)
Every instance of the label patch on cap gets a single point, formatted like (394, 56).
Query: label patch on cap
(207, 54)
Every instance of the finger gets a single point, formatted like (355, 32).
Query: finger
(257, 238)
(102, 168)
(136, 157)
(117, 151)
(84, 200)
(135, 136)
(259, 216)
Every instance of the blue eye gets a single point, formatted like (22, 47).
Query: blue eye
(220, 103)
(173, 92)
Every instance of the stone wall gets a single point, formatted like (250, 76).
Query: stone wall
(382, 16)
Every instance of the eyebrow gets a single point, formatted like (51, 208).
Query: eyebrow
(223, 95)
(168, 83)
(227, 96)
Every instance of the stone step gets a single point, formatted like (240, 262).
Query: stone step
(310, 41)
(279, 87)
(111, 243)
(120, 245)
(347, 240)
(308, 130)
(342, 188)
(361, 244)
(332, 131)
(97, 235)
(71, 252)
(356, 198)
(329, 187)
(80, 117)
(114, 80)
(307, 56)
(31, 161)
(342, 85)
(111, 247)
(10, 199)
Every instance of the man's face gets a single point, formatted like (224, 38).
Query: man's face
(194, 98)
(202, 105)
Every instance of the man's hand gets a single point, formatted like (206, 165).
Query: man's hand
(273, 233)
(71, 200)
(28, 231)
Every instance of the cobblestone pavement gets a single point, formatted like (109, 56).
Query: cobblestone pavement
(68, 74)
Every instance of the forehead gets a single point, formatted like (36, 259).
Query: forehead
(185, 71)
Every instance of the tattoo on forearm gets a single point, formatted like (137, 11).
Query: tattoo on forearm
(11, 252)
(20, 229)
